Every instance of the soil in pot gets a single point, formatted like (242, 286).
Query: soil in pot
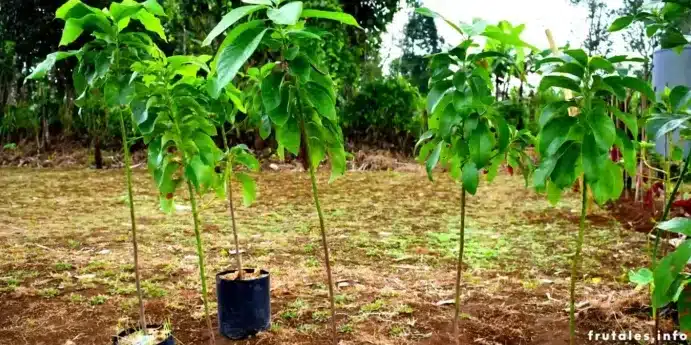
(244, 306)
(156, 335)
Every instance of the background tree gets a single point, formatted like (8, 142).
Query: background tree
(598, 40)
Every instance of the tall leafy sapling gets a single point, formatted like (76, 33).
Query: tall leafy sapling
(579, 145)
(467, 134)
(173, 118)
(104, 67)
(298, 97)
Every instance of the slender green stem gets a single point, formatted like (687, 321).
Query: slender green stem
(575, 264)
(200, 254)
(130, 194)
(668, 206)
(658, 232)
(459, 268)
(229, 178)
(322, 228)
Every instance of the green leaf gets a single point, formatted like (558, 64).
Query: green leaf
(543, 171)
(271, 91)
(612, 84)
(659, 126)
(559, 81)
(480, 144)
(553, 110)
(667, 271)
(621, 23)
(642, 277)
(672, 39)
(592, 157)
(677, 225)
(599, 63)
(579, 55)
(628, 119)
(433, 159)
(503, 133)
(74, 27)
(603, 129)
(300, 67)
(566, 170)
(288, 135)
(151, 23)
(628, 151)
(554, 134)
(71, 32)
(429, 13)
(571, 68)
(229, 19)
(320, 100)
(679, 98)
(344, 18)
(40, 71)
(74, 9)
(459, 79)
(436, 94)
(280, 115)
(325, 81)
(638, 85)
(549, 60)
(259, 2)
(288, 14)
(234, 34)
(249, 188)
(470, 177)
(553, 193)
(234, 56)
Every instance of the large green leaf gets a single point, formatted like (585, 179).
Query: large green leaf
(249, 188)
(543, 171)
(684, 309)
(621, 23)
(480, 145)
(433, 159)
(628, 119)
(47, 65)
(599, 63)
(579, 55)
(571, 68)
(344, 18)
(667, 271)
(470, 177)
(74, 9)
(288, 14)
(300, 67)
(639, 85)
(229, 19)
(288, 135)
(234, 56)
(679, 98)
(151, 23)
(566, 170)
(320, 100)
(641, 277)
(232, 35)
(74, 27)
(677, 225)
(271, 91)
(436, 94)
(559, 81)
(602, 128)
(554, 134)
(592, 157)
(280, 114)
(553, 110)
(429, 13)
(628, 151)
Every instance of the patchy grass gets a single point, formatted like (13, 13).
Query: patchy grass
(66, 267)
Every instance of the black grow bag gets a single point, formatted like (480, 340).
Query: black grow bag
(168, 341)
(244, 306)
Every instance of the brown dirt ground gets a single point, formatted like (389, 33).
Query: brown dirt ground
(65, 272)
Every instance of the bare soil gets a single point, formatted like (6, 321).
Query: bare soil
(66, 275)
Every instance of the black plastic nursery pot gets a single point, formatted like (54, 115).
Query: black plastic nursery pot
(168, 340)
(244, 306)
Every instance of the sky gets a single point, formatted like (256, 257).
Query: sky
(567, 22)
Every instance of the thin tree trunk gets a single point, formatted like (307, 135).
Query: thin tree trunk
(459, 268)
(322, 228)
(576, 263)
(200, 255)
(130, 196)
(98, 155)
(229, 178)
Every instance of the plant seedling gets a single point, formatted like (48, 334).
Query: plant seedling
(578, 144)
(466, 132)
(104, 68)
(171, 114)
(297, 95)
